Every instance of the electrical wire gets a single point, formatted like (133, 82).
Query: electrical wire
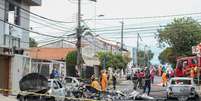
(150, 17)
(42, 34)
(12, 2)
(46, 25)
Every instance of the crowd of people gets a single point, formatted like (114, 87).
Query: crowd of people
(143, 78)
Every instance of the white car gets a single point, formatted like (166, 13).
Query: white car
(181, 87)
(57, 89)
(71, 82)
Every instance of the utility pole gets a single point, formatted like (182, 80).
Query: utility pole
(79, 36)
(138, 36)
(122, 32)
(145, 54)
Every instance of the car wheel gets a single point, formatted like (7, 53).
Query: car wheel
(51, 99)
(197, 98)
(21, 98)
(167, 97)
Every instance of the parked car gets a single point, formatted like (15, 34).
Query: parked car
(71, 82)
(181, 87)
(34, 87)
(56, 89)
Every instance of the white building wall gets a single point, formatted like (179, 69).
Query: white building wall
(20, 66)
(1, 23)
(24, 23)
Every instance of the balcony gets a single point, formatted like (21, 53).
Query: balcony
(13, 37)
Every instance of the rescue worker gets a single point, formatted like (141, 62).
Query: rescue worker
(95, 84)
(164, 79)
(192, 73)
(103, 81)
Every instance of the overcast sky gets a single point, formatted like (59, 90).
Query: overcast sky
(65, 10)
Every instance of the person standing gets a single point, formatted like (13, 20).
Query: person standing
(103, 81)
(135, 81)
(54, 74)
(192, 73)
(138, 77)
(152, 72)
(147, 81)
(159, 70)
(141, 76)
(114, 80)
(164, 79)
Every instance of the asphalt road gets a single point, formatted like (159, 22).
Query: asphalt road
(157, 91)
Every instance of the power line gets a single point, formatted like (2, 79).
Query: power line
(149, 17)
(145, 27)
(46, 25)
(31, 30)
(126, 32)
(12, 2)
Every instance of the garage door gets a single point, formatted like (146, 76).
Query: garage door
(4, 73)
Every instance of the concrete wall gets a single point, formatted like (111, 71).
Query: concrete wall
(25, 22)
(1, 23)
(20, 66)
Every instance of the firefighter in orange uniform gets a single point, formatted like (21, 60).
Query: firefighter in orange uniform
(103, 81)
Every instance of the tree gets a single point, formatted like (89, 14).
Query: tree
(145, 57)
(116, 61)
(32, 42)
(71, 59)
(167, 56)
(180, 35)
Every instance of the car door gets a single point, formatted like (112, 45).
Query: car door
(68, 83)
(62, 91)
(74, 82)
(56, 91)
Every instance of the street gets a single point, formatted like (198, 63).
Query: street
(157, 91)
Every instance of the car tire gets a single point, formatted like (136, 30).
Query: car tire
(197, 98)
(167, 97)
(21, 98)
(51, 99)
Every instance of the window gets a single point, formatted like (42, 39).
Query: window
(181, 82)
(55, 86)
(194, 61)
(60, 85)
(13, 12)
(11, 41)
(185, 63)
(49, 83)
(68, 80)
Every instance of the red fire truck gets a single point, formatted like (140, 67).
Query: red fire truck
(186, 64)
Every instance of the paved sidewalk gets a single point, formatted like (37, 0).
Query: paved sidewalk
(9, 98)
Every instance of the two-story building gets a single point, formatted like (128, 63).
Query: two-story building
(92, 45)
(14, 39)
